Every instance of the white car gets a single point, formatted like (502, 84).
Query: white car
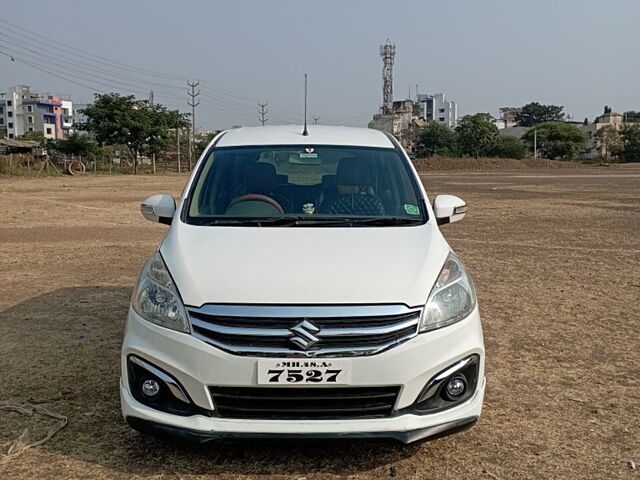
(303, 290)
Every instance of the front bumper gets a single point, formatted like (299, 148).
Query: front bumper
(197, 365)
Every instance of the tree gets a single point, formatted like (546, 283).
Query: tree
(629, 151)
(534, 113)
(122, 120)
(608, 139)
(33, 136)
(509, 147)
(75, 144)
(631, 116)
(586, 121)
(477, 134)
(557, 139)
(436, 139)
(202, 140)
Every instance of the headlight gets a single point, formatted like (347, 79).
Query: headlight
(156, 297)
(452, 297)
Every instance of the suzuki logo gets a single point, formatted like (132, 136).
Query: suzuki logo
(303, 334)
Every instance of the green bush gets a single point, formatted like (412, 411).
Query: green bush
(509, 147)
(557, 140)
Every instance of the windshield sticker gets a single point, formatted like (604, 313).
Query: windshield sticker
(412, 209)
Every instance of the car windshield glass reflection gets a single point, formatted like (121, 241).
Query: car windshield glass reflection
(304, 186)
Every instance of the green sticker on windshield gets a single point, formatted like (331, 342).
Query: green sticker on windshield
(412, 209)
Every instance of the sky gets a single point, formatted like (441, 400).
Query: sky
(582, 54)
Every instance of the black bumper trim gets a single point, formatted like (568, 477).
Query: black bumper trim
(199, 436)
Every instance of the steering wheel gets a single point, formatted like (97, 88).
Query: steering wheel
(256, 197)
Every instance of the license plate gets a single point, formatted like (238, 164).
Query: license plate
(304, 372)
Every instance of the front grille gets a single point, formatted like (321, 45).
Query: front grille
(304, 403)
(304, 331)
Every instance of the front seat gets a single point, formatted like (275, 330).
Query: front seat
(355, 195)
(259, 198)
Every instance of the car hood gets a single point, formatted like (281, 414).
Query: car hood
(304, 265)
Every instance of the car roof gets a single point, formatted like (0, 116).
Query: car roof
(292, 135)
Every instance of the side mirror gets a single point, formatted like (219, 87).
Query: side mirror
(159, 208)
(449, 208)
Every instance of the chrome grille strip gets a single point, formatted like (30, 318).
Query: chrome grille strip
(276, 352)
(304, 331)
(302, 311)
(248, 331)
(283, 332)
(351, 332)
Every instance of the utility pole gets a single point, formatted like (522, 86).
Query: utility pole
(263, 113)
(189, 144)
(193, 104)
(153, 154)
(178, 145)
(316, 119)
(535, 143)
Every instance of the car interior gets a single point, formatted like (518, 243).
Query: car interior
(252, 182)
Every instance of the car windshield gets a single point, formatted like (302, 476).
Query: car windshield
(303, 185)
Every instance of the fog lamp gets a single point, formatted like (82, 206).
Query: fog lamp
(150, 388)
(455, 387)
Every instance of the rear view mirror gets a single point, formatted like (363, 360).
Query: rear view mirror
(159, 208)
(449, 208)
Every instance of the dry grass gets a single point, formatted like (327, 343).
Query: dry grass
(555, 259)
(467, 164)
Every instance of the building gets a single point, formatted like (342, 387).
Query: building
(435, 108)
(23, 111)
(594, 147)
(43, 115)
(12, 112)
(402, 122)
(407, 116)
(67, 117)
(507, 117)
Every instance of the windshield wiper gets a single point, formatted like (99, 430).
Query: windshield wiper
(275, 221)
(299, 221)
(309, 220)
(384, 221)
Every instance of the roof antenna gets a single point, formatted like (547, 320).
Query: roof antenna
(305, 133)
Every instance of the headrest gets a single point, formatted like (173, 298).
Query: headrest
(260, 178)
(352, 172)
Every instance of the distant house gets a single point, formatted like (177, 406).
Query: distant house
(23, 111)
(593, 147)
(435, 108)
(407, 116)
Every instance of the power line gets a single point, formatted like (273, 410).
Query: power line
(235, 96)
(44, 52)
(84, 54)
(95, 73)
(64, 69)
(13, 59)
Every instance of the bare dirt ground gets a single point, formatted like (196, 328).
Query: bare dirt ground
(556, 259)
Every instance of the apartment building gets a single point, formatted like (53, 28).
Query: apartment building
(23, 111)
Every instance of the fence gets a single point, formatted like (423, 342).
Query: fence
(21, 164)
